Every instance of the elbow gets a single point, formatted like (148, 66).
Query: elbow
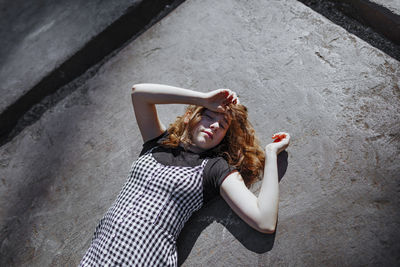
(135, 88)
(136, 91)
(140, 87)
(267, 228)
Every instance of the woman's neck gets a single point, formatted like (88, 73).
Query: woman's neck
(193, 149)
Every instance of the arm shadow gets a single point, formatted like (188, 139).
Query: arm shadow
(219, 211)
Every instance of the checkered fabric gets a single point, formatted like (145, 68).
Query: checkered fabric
(141, 227)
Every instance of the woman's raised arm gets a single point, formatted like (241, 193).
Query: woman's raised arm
(260, 212)
(146, 95)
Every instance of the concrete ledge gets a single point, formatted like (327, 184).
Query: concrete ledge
(365, 19)
(21, 98)
(375, 15)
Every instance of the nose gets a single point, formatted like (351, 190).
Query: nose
(214, 125)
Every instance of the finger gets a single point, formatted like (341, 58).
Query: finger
(277, 138)
(230, 96)
(223, 92)
(281, 134)
(235, 98)
(286, 140)
(220, 109)
(237, 101)
(287, 136)
(227, 91)
(228, 99)
(281, 137)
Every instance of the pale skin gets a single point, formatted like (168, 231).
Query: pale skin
(260, 212)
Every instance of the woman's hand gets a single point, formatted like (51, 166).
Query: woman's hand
(280, 143)
(217, 100)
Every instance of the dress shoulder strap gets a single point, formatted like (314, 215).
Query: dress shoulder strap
(203, 164)
(150, 150)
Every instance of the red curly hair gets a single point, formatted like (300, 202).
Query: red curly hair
(240, 146)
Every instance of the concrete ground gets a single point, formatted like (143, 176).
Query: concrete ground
(39, 37)
(296, 71)
(369, 20)
(47, 44)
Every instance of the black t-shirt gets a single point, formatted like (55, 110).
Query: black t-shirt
(215, 171)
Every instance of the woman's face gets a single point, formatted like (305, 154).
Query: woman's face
(209, 131)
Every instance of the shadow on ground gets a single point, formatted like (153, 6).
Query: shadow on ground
(219, 211)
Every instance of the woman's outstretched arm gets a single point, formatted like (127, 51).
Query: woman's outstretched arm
(260, 212)
(146, 95)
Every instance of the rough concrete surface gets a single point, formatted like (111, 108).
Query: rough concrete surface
(364, 19)
(392, 5)
(37, 37)
(97, 32)
(46, 44)
(295, 70)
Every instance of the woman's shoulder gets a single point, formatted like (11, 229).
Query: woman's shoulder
(153, 142)
(213, 160)
(217, 169)
(217, 162)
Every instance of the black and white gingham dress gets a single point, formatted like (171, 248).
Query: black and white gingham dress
(142, 226)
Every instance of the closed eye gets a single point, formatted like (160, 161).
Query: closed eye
(223, 125)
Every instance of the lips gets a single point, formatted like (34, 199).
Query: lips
(209, 134)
